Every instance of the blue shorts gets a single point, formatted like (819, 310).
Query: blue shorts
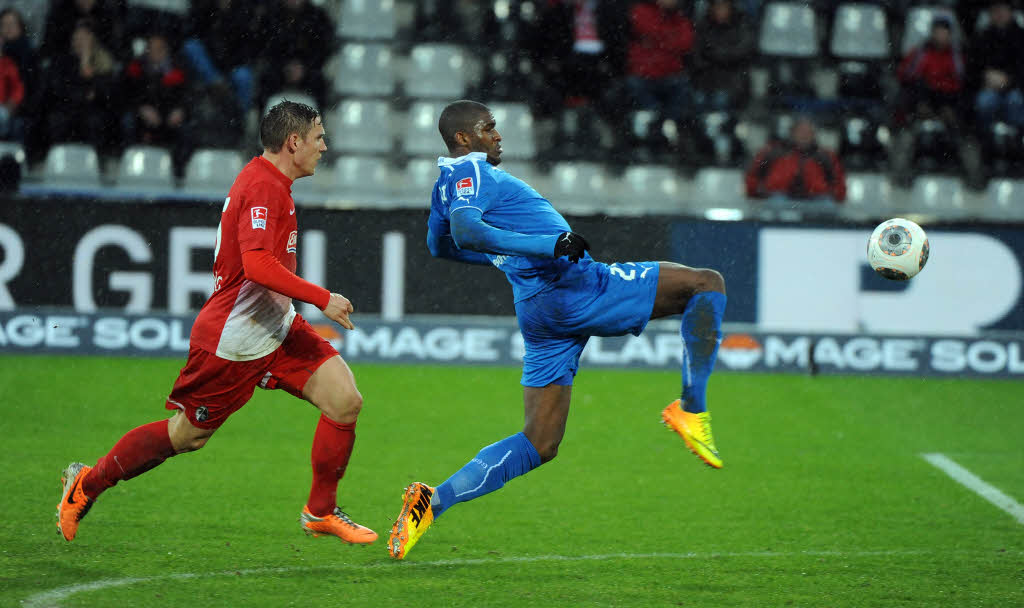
(593, 299)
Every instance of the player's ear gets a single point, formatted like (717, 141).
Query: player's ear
(462, 138)
(293, 142)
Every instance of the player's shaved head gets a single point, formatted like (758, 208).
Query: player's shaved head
(462, 115)
(284, 119)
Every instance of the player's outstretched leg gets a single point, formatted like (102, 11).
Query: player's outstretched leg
(704, 294)
(138, 451)
(493, 466)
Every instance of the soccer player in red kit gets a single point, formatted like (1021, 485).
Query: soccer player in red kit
(248, 334)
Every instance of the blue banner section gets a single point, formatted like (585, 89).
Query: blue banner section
(497, 341)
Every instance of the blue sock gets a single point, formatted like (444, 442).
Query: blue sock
(701, 329)
(493, 466)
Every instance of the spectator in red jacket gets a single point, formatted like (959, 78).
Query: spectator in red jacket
(932, 75)
(797, 169)
(662, 35)
(157, 93)
(12, 93)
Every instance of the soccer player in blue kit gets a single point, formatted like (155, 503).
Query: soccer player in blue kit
(481, 215)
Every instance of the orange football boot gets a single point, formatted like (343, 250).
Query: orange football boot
(337, 524)
(74, 504)
(695, 429)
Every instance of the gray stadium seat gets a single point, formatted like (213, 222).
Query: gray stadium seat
(316, 188)
(438, 71)
(867, 194)
(210, 170)
(718, 188)
(652, 189)
(367, 19)
(146, 168)
(859, 31)
(515, 124)
(1004, 200)
(178, 7)
(71, 166)
(788, 29)
(417, 182)
(420, 137)
(362, 126)
(581, 188)
(362, 70)
(918, 25)
(941, 195)
(296, 96)
(362, 178)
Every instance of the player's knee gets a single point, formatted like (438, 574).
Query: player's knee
(344, 407)
(710, 280)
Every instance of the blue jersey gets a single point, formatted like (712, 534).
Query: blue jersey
(506, 203)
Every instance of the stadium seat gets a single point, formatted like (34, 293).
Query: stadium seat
(361, 126)
(71, 166)
(935, 148)
(868, 194)
(417, 182)
(581, 188)
(178, 7)
(438, 71)
(210, 170)
(918, 25)
(362, 178)
(716, 139)
(788, 29)
(941, 195)
(1004, 200)
(420, 137)
(296, 96)
(718, 188)
(1003, 150)
(367, 19)
(315, 189)
(515, 124)
(859, 31)
(862, 143)
(651, 189)
(146, 168)
(362, 70)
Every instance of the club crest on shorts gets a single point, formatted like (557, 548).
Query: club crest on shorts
(202, 413)
(293, 241)
(259, 218)
(464, 186)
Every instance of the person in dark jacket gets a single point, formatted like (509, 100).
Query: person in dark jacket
(301, 38)
(223, 46)
(105, 16)
(797, 169)
(722, 56)
(158, 97)
(996, 64)
(79, 92)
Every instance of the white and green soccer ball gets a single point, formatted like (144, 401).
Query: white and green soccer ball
(898, 249)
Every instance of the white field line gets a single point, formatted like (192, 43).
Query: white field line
(976, 484)
(54, 597)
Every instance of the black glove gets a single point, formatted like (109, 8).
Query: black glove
(572, 245)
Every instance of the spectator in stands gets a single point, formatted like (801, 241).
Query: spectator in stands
(797, 169)
(18, 47)
(222, 47)
(580, 46)
(158, 97)
(301, 38)
(996, 63)
(12, 93)
(932, 78)
(78, 92)
(64, 15)
(725, 48)
(661, 37)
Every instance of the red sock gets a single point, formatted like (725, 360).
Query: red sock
(138, 451)
(332, 445)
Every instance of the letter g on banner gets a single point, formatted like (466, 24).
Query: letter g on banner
(138, 284)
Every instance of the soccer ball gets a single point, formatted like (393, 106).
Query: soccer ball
(898, 249)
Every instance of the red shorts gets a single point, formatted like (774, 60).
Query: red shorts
(209, 388)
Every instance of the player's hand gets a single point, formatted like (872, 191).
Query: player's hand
(338, 309)
(571, 245)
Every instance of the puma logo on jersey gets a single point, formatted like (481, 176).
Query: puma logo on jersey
(464, 186)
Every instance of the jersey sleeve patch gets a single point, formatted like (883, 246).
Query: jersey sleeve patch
(464, 187)
(259, 218)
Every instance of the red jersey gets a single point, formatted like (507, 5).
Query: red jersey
(244, 320)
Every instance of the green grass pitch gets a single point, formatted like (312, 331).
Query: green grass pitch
(824, 499)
